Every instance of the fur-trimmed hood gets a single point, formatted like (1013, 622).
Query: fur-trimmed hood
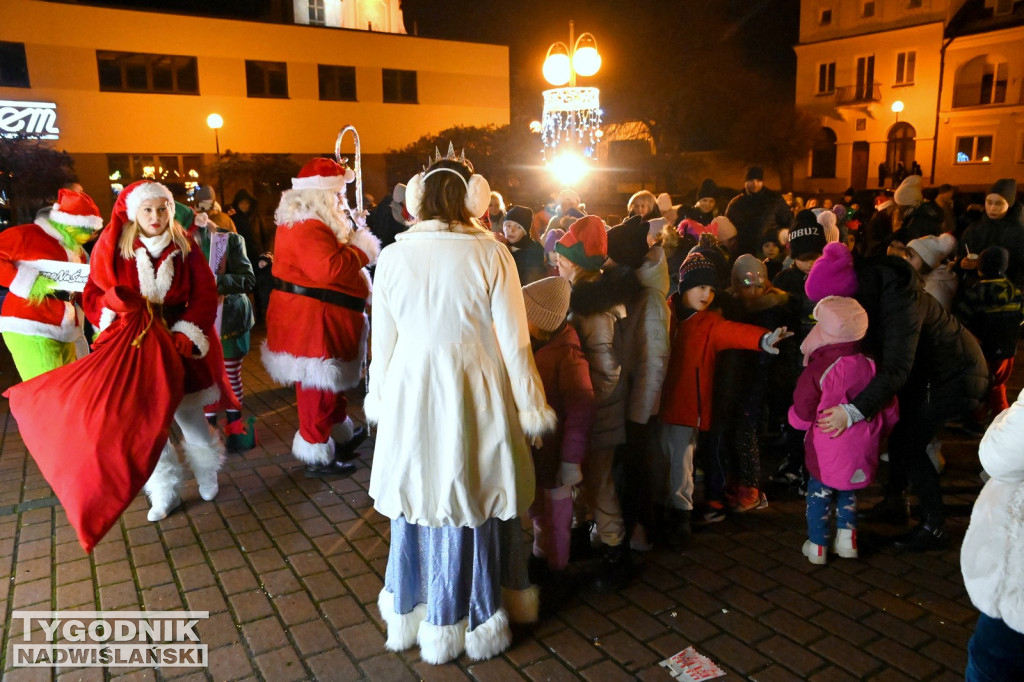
(615, 286)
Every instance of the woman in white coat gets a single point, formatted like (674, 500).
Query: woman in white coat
(455, 394)
(992, 557)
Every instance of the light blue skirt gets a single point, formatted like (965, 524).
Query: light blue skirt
(457, 572)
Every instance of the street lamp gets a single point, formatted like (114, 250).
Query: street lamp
(572, 115)
(897, 107)
(216, 121)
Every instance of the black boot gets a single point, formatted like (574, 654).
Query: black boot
(347, 451)
(891, 510)
(335, 468)
(678, 529)
(925, 537)
(537, 569)
(615, 570)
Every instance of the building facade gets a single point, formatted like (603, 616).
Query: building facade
(911, 82)
(129, 92)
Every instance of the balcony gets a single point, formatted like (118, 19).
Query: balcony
(858, 94)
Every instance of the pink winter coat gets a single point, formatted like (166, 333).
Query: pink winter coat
(834, 375)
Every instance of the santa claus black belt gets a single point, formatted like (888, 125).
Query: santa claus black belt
(326, 295)
(66, 296)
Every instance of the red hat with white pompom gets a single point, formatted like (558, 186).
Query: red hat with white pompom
(76, 209)
(321, 173)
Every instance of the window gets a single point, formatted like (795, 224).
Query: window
(868, 9)
(180, 172)
(914, 4)
(141, 72)
(826, 17)
(1003, 7)
(400, 86)
(266, 79)
(337, 83)
(13, 65)
(905, 68)
(317, 13)
(974, 149)
(993, 83)
(865, 78)
(826, 78)
(823, 155)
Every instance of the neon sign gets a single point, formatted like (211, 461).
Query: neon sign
(29, 119)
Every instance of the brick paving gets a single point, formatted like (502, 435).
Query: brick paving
(290, 568)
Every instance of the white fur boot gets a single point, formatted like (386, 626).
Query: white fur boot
(402, 627)
(442, 643)
(489, 638)
(206, 460)
(162, 487)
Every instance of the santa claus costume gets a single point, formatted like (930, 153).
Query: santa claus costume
(170, 271)
(316, 321)
(40, 322)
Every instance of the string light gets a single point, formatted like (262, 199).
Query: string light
(571, 116)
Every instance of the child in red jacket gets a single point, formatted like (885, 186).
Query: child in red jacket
(565, 374)
(698, 334)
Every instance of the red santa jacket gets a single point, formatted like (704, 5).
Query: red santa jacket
(51, 318)
(696, 341)
(309, 341)
(186, 290)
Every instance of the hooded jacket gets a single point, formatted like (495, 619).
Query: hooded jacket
(597, 310)
(646, 345)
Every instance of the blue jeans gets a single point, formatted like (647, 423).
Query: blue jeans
(819, 510)
(995, 652)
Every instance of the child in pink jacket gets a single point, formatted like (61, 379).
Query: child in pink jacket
(835, 371)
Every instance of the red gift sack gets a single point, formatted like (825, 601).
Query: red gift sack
(96, 427)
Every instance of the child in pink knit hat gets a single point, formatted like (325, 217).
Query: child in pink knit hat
(836, 371)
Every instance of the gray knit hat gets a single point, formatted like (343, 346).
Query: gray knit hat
(547, 302)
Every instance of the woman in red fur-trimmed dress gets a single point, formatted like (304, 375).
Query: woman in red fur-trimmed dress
(147, 250)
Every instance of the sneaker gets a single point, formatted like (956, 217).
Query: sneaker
(816, 554)
(760, 501)
(714, 513)
(923, 538)
(845, 543)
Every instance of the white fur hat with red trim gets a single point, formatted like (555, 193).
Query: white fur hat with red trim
(149, 190)
(321, 173)
(76, 209)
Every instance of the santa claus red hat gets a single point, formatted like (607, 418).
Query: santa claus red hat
(321, 173)
(147, 190)
(76, 209)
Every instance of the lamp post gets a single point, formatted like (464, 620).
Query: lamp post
(216, 121)
(897, 107)
(572, 115)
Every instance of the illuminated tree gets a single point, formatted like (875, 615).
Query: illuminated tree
(31, 172)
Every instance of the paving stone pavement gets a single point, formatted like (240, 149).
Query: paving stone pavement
(290, 568)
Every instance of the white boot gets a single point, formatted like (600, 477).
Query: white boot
(816, 554)
(162, 486)
(845, 543)
(206, 460)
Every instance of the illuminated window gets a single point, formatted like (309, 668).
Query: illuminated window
(825, 18)
(826, 78)
(141, 72)
(869, 9)
(317, 13)
(400, 86)
(177, 171)
(905, 62)
(974, 149)
(266, 79)
(13, 65)
(337, 83)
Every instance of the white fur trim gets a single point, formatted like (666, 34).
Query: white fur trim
(325, 374)
(441, 643)
(414, 195)
(51, 231)
(367, 243)
(194, 334)
(107, 316)
(312, 453)
(154, 286)
(343, 432)
(490, 638)
(166, 478)
(205, 458)
(66, 333)
(334, 182)
(93, 222)
(478, 195)
(150, 190)
(22, 283)
(522, 606)
(200, 399)
(402, 628)
(538, 422)
(371, 406)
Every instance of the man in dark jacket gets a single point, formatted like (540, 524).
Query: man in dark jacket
(390, 218)
(925, 357)
(754, 211)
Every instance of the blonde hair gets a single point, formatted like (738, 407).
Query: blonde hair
(131, 230)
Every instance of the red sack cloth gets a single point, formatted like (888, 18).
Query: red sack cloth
(96, 427)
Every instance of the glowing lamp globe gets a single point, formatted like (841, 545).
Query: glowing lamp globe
(215, 121)
(897, 106)
(557, 69)
(569, 168)
(586, 61)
